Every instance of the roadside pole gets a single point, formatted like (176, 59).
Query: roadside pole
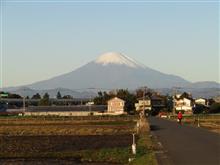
(133, 145)
(173, 99)
(144, 92)
(173, 105)
(24, 103)
(90, 104)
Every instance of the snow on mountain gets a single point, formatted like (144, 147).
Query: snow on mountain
(117, 58)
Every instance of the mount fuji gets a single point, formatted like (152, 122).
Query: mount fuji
(110, 71)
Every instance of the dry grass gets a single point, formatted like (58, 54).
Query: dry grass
(210, 122)
(63, 130)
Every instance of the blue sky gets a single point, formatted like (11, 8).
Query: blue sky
(45, 39)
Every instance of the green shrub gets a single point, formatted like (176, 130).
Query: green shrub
(215, 108)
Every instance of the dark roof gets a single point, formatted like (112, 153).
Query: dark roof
(157, 97)
(184, 95)
(146, 98)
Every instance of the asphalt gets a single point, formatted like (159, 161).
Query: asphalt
(184, 144)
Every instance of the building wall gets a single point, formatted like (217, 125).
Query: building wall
(141, 103)
(187, 102)
(116, 105)
(184, 108)
(200, 101)
(183, 104)
(145, 102)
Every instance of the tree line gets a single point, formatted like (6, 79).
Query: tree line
(129, 97)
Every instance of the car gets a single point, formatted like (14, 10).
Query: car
(163, 115)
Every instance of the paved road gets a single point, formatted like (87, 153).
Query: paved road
(186, 145)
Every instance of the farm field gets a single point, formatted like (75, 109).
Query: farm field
(70, 140)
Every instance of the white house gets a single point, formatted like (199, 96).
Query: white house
(116, 106)
(201, 101)
(143, 104)
(183, 102)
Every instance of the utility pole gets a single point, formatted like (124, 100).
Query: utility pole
(90, 101)
(90, 104)
(144, 92)
(174, 95)
(24, 103)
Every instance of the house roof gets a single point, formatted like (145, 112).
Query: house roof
(184, 95)
(158, 97)
(116, 98)
(200, 98)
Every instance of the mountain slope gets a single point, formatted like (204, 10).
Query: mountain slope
(112, 70)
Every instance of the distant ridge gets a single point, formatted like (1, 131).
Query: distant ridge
(25, 91)
(196, 92)
(204, 84)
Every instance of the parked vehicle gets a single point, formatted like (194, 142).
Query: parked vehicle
(163, 115)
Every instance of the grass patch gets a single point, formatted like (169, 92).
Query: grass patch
(115, 155)
(145, 154)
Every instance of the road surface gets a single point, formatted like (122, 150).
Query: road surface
(185, 145)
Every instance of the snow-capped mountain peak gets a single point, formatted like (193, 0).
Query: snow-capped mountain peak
(117, 58)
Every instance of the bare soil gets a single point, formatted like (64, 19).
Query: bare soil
(55, 141)
(40, 144)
